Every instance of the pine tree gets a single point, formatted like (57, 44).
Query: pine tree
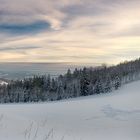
(98, 87)
(117, 82)
(108, 85)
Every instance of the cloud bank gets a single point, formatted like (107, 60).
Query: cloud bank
(85, 31)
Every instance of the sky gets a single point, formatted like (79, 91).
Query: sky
(80, 31)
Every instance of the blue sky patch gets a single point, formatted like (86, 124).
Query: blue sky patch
(25, 28)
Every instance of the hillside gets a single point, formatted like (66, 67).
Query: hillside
(77, 83)
(110, 116)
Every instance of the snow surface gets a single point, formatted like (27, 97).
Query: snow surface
(3, 82)
(114, 116)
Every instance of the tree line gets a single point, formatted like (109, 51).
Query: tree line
(80, 82)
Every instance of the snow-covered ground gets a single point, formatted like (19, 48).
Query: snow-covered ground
(114, 116)
(2, 82)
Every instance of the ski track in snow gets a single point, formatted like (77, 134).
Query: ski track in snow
(111, 116)
(118, 114)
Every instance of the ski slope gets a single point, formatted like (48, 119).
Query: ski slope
(114, 116)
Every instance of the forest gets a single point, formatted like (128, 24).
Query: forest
(80, 82)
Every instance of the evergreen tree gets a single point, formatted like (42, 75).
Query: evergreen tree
(117, 82)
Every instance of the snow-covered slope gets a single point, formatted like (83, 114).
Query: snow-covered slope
(114, 116)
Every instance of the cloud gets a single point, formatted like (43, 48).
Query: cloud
(69, 30)
(7, 49)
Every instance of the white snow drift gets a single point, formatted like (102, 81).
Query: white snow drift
(114, 116)
(3, 82)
